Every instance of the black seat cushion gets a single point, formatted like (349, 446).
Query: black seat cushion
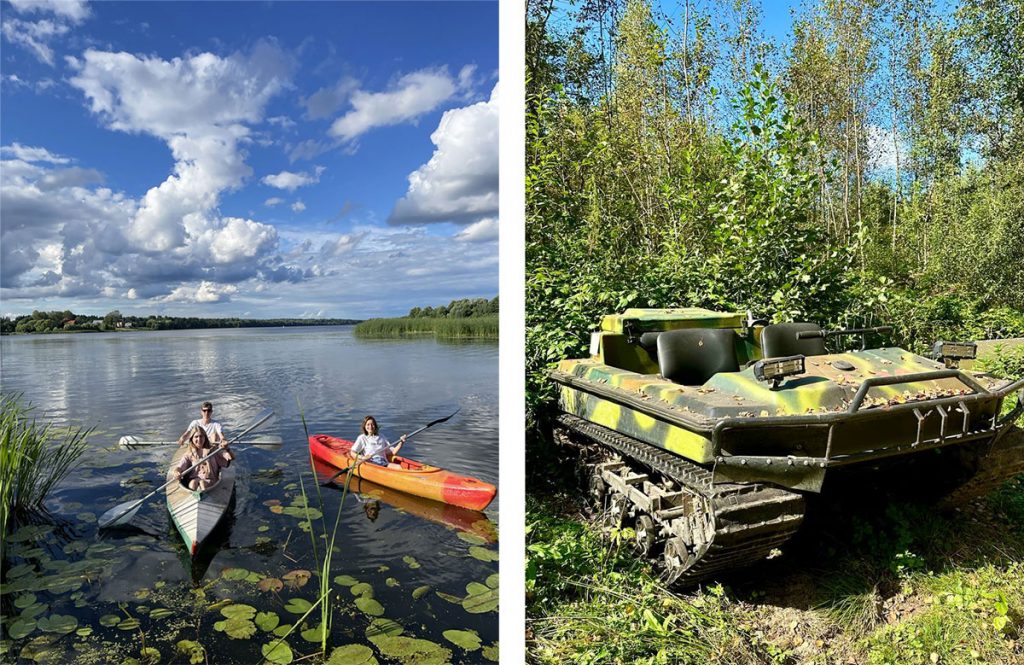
(779, 340)
(693, 356)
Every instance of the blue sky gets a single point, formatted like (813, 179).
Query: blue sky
(255, 159)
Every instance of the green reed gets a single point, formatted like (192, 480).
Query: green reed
(33, 458)
(481, 327)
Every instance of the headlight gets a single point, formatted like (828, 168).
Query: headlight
(776, 369)
(952, 353)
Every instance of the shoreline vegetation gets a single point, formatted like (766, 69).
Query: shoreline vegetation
(475, 318)
(67, 322)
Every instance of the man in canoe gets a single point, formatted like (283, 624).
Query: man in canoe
(374, 448)
(208, 425)
(208, 473)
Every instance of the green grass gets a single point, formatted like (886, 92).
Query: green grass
(891, 587)
(482, 327)
(33, 458)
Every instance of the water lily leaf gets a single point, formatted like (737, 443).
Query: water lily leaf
(278, 652)
(369, 606)
(270, 584)
(353, 654)
(20, 628)
(345, 580)
(282, 630)
(492, 581)
(29, 532)
(362, 589)
(471, 538)
(420, 591)
(296, 579)
(411, 562)
(411, 650)
(97, 550)
(239, 629)
(491, 652)
(20, 569)
(272, 502)
(298, 605)
(277, 510)
(160, 584)
(449, 597)
(267, 621)
(314, 634)
(234, 574)
(383, 569)
(383, 627)
(219, 625)
(109, 620)
(216, 606)
(142, 594)
(262, 528)
(478, 602)
(42, 649)
(142, 609)
(194, 651)
(467, 639)
(24, 600)
(239, 611)
(58, 623)
(483, 553)
(76, 546)
(128, 624)
(34, 610)
(391, 581)
(86, 517)
(253, 578)
(84, 631)
(160, 613)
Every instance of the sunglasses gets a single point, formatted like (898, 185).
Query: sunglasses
(207, 410)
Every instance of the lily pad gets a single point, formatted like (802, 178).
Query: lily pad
(263, 527)
(20, 569)
(270, 584)
(267, 621)
(43, 650)
(298, 605)
(34, 610)
(449, 597)
(411, 650)
(314, 634)
(420, 591)
(278, 652)
(24, 600)
(296, 579)
(76, 546)
(30, 532)
(194, 651)
(492, 581)
(160, 613)
(109, 620)
(84, 631)
(467, 639)
(58, 623)
(234, 574)
(86, 517)
(471, 538)
(353, 654)
(238, 611)
(277, 510)
(483, 553)
(369, 606)
(480, 599)
(491, 652)
(239, 629)
(282, 630)
(362, 589)
(391, 581)
(20, 628)
(383, 627)
(130, 623)
(346, 580)
(253, 578)
(411, 562)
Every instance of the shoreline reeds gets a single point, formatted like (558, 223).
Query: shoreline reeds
(476, 327)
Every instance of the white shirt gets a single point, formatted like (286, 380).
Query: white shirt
(369, 445)
(211, 428)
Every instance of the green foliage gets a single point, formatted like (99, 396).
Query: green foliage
(483, 327)
(66, 321)
(33, 458)
(459, 309)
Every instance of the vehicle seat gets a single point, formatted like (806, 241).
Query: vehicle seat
(779, 340)
(694, 355)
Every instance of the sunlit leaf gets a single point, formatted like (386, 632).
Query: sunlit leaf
(58, 623)
(471, 538)
(160, 613)
(483, 553)
(194, 651)
(391, 582)
(110, 620)
(362, 589)
(412, 650)
(383, 627)
(20, 628)
(369, 606)
(314, 634)
(345, 580)
(270, 584)
(298, 605)
(353, 654)
(421, 591)
(278, 652)
(234, 574)
(238, 611)
(411, 562)
(296, 579)
(490, 652)
(467, 639)
(492, 581)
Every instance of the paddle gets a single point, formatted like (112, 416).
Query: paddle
(131, 442)
(123, 512)
(407, 437)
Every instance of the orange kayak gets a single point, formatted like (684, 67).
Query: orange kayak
(416, 478)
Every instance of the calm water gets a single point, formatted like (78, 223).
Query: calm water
(84, 591)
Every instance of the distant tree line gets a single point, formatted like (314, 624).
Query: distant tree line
(67, 321)
(458, 309)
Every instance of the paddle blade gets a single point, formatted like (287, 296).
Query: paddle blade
(120, 514)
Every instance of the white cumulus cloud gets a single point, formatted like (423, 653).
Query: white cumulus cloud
(205, 292)
(460, 182)
(273, 201)
(298, 206)
(37, 35)
(32, 154)
(483, 231)
(292, 181)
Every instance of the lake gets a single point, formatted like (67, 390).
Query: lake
(409, 576)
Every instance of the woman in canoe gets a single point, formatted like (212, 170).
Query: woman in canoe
(208, 473)
(374, 448)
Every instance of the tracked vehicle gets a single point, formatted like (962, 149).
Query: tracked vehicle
(708, 432)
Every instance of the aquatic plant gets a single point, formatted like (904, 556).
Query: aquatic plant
(478, 327)
(33, 458)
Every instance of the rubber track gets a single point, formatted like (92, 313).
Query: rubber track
(1004, 462)
(750, 519)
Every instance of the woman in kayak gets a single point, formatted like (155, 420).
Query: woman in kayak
(374, 448)
(208, 473)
